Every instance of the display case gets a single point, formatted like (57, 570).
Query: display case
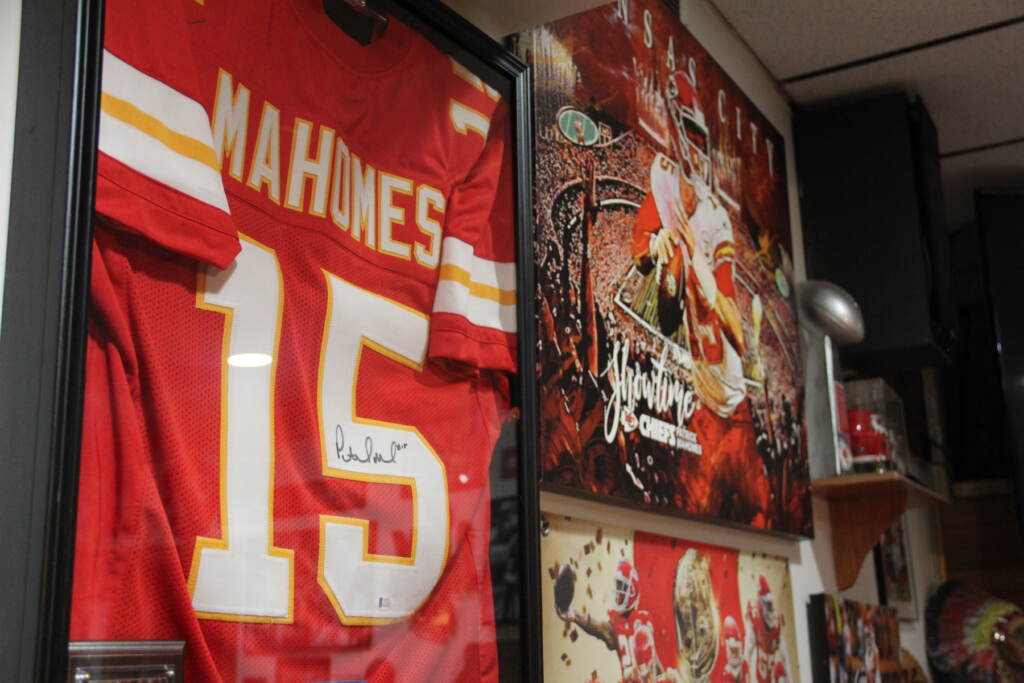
(285, 419)
(878, 430)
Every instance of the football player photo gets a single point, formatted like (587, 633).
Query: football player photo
(667, 339)
(621, 605)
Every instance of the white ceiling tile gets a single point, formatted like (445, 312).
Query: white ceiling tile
(798, 36)
(973, 88)
(961, 175)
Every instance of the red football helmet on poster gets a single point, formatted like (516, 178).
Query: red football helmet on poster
(627, 587)
(691, 139)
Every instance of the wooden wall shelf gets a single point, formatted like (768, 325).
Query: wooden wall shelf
(862, 507)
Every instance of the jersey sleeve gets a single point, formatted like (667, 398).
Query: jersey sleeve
(158, 173)
(474, 314)
(724, 255)
(647, 223)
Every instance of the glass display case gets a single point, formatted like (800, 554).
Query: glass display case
(289, 429)
(878, 431)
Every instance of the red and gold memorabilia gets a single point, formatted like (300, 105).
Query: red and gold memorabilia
(852, 642)
(668, 350)
(620, 605)
(303, 319)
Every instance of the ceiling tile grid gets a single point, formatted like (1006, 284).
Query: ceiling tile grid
(972, 85)
(798, 36)
(973, 88)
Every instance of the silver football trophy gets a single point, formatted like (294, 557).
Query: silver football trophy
(829, 317)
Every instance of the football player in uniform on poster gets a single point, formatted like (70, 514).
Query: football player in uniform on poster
(779, 673)
(764, 636)
(736, 669)
(662, 260)
(628, 631)
(683, 239)
(685, 234)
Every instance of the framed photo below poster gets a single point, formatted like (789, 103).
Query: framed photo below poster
(668, 349)
(623, 605)
(895, 572)
(852, 642)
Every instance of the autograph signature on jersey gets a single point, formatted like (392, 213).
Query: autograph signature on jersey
(370, 453)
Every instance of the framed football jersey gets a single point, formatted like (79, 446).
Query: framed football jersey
(301, 448)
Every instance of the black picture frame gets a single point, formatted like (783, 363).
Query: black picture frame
(42, 346)
(45, 308)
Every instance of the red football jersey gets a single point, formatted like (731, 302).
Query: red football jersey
(634, 637)
(303, 305)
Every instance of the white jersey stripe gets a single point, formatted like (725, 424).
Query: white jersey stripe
(474, 80)
(453, 297)
(158, 132)
(149, 156)
(480, 290)
(459, 253)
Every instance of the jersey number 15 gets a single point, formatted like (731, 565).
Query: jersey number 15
(243, 576)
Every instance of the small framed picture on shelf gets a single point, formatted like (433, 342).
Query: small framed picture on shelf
(853, 641)
(894, 571)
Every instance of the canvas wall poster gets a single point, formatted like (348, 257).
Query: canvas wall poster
(668, 352)
(630, 606)
(853, 642)
(894, 571)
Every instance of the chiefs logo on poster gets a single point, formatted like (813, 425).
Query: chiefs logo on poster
(668, 351)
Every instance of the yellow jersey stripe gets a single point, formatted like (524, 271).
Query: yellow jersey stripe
(454, 273)
(184, 145)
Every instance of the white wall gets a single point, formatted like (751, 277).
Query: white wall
(925, 553)
(811, 562)
(10, 30)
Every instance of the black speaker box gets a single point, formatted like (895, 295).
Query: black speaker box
(1001, 223)
(871, 206)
